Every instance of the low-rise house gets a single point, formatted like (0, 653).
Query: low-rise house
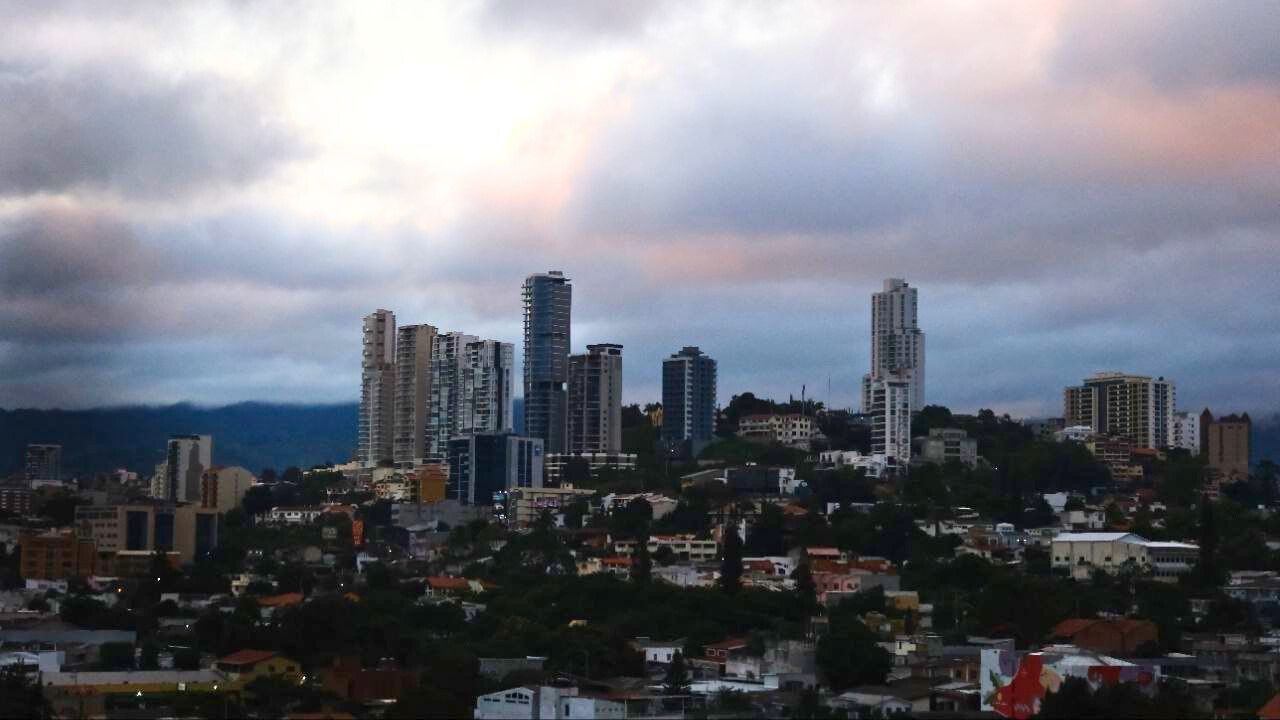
(85, 694)
(718, 652)
(658, 652)
(245, 666)
(498, 668)
(661, 504)
(545, 702)
(299, 515)
(792, 429)
(377, 686)
(875, 465)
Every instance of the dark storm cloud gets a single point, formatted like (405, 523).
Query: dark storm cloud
(124, 132)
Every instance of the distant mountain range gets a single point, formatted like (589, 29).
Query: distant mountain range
(252, 434)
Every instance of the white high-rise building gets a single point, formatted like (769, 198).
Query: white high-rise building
(1184, 432)
(375, 442)
(413, 393)
(897, 344)
(187, 457)
(470, 389)
(890, 409)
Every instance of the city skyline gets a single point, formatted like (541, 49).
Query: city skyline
(1085, 189)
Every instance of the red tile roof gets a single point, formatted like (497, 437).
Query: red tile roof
(439, 582)
(280, 600)
(248, 657)
(1271, 711)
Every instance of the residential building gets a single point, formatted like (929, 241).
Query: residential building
(688, 396)
(43, 464)
(484, 465)
(595, 400)
(946, 445)
(294, 515)
(1131, 406)
(546, 702)
(685, 547)
(187, 457)
(555, 464)
(1226, 442)
(1082, 553)
(874, 465)
(897, 344)
(548, 298)
(470, 391)
(890, 407)
(56, 555)
(16, 498)
(376, 427)
(245, 666)
(88, 694)
(660, 504)
(188, 530)
(792, 429)
(427, 483)
(1185, 432)
(223, 488)
(525, 505)
(413, 393)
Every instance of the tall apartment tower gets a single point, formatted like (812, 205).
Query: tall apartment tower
(595, 400)
(470, 390)
(375, 443)
(1226, 443)
(688, 396)
(187, 457)
(1134, 407)
(890, 410)
(897, 344)
(43, 464)
(413, 393)
(548, 298)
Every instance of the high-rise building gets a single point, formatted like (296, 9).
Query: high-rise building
(1226, 443)
(187, 457)
(595, 400)
(470, 389)
(223, 488)
(897, 344)
(1184, 432)
(548, 298)
(890, 409)
(1134, 407)
(413, 393)
(485, 464)
(688, 396)
(43, 464)
(375, 443)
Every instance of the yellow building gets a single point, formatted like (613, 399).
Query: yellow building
(245, 666)
(87, 694)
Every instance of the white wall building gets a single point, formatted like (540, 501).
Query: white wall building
(897, 344)
(1082, 553)
(1184, 432)
(891, 420)
(875, 465)
(470, 391)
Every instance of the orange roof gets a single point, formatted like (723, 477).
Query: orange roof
(1271, 711)
(280, 600)
(248, 657)
(829, 566)
(726, 644)
(440, 582)
(824, 552)
(616, 560)
(760, 566)
(1068, 628)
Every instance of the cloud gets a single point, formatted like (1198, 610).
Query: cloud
(117, 130)
(213, 195)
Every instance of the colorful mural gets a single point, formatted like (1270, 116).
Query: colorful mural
(1013, 684)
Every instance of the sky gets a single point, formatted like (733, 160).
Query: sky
(200, 200)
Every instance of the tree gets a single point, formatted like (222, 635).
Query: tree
(641, 563)
(1207, 567)
(806, 590)
(150, 659)
(677, 680)
(115, 656)
(731, 558)
(186, 659)
(848, 655)
(766, 534)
